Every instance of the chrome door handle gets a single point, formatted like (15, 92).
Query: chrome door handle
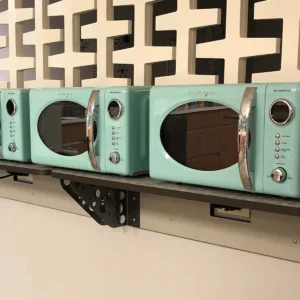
(90, 129)
(243, 137)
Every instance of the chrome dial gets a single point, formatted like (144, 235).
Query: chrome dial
(12, 147)
(279, 175)
(114, 157)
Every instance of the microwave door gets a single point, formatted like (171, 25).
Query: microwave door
(90, 129)
(244, 137)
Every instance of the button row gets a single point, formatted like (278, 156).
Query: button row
(277, 143)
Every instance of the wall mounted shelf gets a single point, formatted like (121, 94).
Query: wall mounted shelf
(105, 209)
(25, 168)
(201, 194)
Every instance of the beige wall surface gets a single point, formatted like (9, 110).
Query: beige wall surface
(48, 254)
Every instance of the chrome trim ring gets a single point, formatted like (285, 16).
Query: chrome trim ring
(14, 106)
(90, 129)
(290, 112)
(120, 109)
(243, 137)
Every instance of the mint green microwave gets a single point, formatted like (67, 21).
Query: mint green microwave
(242, 137)
(15, 128)
(94, 129)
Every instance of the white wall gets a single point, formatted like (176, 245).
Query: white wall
(48, 254)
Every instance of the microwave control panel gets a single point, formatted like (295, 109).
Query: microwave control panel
(15, 124)
(281, 113)
(281, 140)
(115, 111)
(11, 109)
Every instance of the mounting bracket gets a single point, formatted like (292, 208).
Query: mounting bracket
(107, 206)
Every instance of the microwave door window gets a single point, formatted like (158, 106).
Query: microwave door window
(62, 128)
(202, 136)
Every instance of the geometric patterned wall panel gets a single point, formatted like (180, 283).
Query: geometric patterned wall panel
(105, 29)
(145, 42)
(143, 54)
(289, 11)
(15, 63)
(72, 59)
(42, 37)
(236, 47)
(186, 20)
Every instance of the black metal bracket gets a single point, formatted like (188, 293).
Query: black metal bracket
(14, 175)
(17, 179)
(107, 206)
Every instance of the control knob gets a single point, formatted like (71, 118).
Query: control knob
(114, 157)
(279, 175)
(12, 147)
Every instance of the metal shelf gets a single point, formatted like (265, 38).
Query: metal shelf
(188, 192)
(25, 168)
(133, 186)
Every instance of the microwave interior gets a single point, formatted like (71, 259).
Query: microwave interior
(66, 134)
(201, 136)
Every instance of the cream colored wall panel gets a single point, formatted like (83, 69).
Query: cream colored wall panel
(41, 37)
(46, 254)
(15, 63)
(105, 30)
(72, 59)
(3, 41)
(186, 40)
(268, 234)
(289, 11)
(45, 191)
(143, 54)
(236, 47)
(4, 85)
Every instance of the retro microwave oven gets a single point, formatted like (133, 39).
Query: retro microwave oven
(15, 128)
(94, 129)
(243, 137)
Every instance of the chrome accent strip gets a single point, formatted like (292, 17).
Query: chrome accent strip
(243, 137)
(90, 129)
(290, 111)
